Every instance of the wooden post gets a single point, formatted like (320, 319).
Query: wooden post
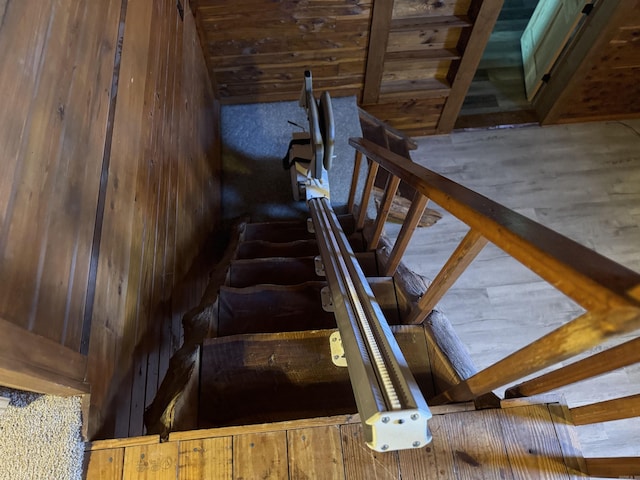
(383, 213)
(379, 36)
(366, 194)
(468, 249)
(418, 205)
(354, 181)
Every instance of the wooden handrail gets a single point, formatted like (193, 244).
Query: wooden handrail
(608, 291)
(587, 277)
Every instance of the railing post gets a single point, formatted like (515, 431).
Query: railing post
(354, 181)
(418, 205)
(468, 249)
(393, 183)
(366, 194)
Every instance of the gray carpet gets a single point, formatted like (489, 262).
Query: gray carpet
(40, 437)
(255, 138)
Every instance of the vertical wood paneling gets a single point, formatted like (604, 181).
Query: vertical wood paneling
(52, 131)
(158, 211)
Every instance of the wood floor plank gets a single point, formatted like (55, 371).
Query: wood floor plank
(476, 445)
(104, 464)
(206, 458)
(315, 453)
(260, 455)
(151, 462)
(433, 462)
(362, 463)
(532, 446)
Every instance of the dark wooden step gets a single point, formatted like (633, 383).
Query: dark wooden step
(288, 231)
(286, 270)
(269, 308)
(277, 232)
(284, 376)
(272, 308)
(262, 249)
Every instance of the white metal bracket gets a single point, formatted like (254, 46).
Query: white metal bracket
(310, 228)
(327, 299)
(398, 430)
(319, 266)
(337, 351)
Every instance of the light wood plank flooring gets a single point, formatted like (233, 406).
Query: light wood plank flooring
(581, 180)
(524, 441)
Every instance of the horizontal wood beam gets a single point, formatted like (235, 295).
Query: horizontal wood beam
(36, 364)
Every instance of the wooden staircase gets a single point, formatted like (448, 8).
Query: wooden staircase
(272, 404)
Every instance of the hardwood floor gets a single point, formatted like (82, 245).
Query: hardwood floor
(582, 180)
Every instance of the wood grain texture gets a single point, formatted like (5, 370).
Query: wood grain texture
(260, 455)
(35, 363)
(583, 183)
(315, 453)
(258, 51)
(360, 462)
(57, 75)
(463, 72)
(206, 458)
(531, 443)
(157, 213)
(595, 77)
(157, 462)
(105, 464)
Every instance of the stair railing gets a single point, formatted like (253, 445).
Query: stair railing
(608, 291)
(392, 409)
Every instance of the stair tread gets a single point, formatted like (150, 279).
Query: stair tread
(262, 248)
(272, 308)
(290, 373)
(266, 308)
(286, 270)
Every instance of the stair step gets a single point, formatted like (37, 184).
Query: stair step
(286, 270)
(268, 308)
(277, 232)
(288, 231)
(285, 376)
(262, 249)
(272, 308)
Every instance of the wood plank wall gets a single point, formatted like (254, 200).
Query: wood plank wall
(107, 189)
(162, 200)
(257, 50)
(401, 58)
(605, 84)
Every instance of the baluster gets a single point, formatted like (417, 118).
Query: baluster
(393, 183)
(416, 210)
(354, 181)
(366, 194)
(468, 249)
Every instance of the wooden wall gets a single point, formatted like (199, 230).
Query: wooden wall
(109, 181)
(257, 50)
(596, 78)
(402, 59)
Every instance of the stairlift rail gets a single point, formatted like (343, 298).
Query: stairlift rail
(393, 410)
